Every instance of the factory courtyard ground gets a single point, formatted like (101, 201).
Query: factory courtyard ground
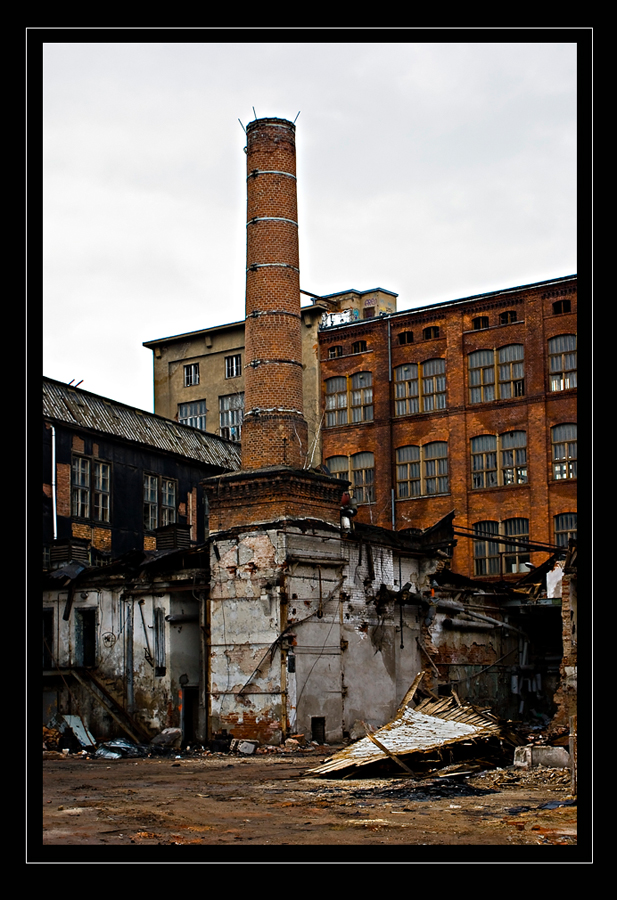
(257, 807)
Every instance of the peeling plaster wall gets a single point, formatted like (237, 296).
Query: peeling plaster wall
(121, 649)
(298, 633)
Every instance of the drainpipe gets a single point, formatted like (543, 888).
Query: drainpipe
(53, 482)
(390, 398)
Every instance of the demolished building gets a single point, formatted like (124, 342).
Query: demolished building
(289, 616)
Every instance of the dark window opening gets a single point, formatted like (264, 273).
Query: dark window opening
(431, 332)
(561, 306)
(333, 352)
(318, 729)
(368, 312)
(506, 317)
(405, 337)
(479, 323)
(48, 638)
(359, 347)
(85, 637)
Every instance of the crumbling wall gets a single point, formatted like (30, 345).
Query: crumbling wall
(123, 660)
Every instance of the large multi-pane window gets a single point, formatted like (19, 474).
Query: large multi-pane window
(90, 489)
(151, 502)
(231, 413)
(338, 466)
(80, 487)
(511, 374)
(514, 457)
(562, 362)
(361, 385)
(422, 471)
(359, 469)
(484, 461)
(499, 459)
(363, 477)
(563, 439)
(565, 528)
(496, 375)
(349, 399)
(420, 387)
(100, 512)
(193, 414)
(516, 554)
(495, 556)
(160, 495)
(486, 551)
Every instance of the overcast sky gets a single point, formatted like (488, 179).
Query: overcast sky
(434, 170)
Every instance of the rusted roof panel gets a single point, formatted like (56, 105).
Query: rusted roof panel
(82, 409)
(431, 725)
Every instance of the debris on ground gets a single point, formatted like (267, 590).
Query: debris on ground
(437, 731)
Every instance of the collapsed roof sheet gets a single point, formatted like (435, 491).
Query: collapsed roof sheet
(433, 724)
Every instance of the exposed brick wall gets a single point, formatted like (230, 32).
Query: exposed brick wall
(536, 412)
(63, 489)
(274, 430)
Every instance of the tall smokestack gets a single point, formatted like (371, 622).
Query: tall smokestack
(274, 430)
(272, 485)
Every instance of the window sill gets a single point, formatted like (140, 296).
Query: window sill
(421, 497)
(498, 487)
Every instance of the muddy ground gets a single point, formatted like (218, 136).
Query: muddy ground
(240, 808)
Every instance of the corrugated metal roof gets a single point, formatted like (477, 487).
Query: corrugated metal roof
(432, 725)
(80, 408)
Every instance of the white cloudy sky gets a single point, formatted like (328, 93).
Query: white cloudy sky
(434, 170)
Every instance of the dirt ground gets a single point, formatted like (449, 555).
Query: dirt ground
(242, 806)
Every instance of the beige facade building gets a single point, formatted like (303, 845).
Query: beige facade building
(199, 376)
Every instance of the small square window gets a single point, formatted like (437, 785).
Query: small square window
(233, 366)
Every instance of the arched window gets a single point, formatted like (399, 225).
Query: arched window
(405, 337)
(499, 459)
(563, 439)
(359, 347)
(436, 467)
(422, 471)
(431, 332)
(338, 466)
(413, 393)
(486, 551)
(482, 376)
(433, 385)
(509, 377)
(408, 482)
(362, 397)
(349, 399)
(562, 362)
(363, 477)
(516, 554)
(505, 318)
(511, 374)
(479, 323)
(565, 528)
(336, 401)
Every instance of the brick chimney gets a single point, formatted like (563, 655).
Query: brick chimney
(273, 483)
(274, 431)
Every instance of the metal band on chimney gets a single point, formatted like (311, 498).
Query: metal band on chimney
(272, 362)
(270, 219)
(274, 312)
(254, 266)
(256, 172)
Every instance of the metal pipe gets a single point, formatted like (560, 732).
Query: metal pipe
(54, 501)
